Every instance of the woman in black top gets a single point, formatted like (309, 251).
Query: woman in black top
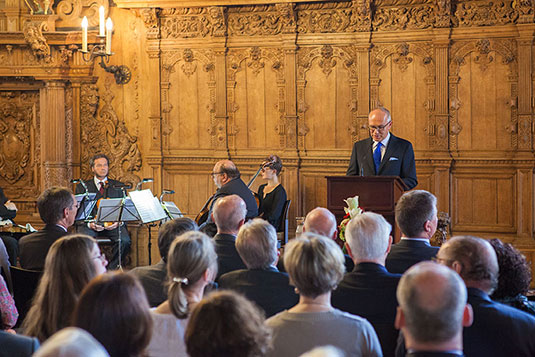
(272, 195)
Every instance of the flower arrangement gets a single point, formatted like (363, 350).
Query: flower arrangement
(352, 210)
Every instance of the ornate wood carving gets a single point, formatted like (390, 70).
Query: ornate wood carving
(71, 12)
(193, 22)
(33, 34)
(482, 13)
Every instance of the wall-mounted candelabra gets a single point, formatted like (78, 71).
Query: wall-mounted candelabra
(121, 73)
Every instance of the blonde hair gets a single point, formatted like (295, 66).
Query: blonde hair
(190, 255)
(315, 264)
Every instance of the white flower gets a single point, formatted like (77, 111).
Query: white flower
(352, 206)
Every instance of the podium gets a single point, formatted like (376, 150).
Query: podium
(378, 194)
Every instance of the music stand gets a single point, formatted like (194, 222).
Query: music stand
(150, 210)
(117, 210)
(86, 202)
(171, 210)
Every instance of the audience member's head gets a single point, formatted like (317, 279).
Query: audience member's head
(416, 214)
(172, 229)
(257, 244)
(192, 264)
(321, 221)
(368, 238)
(114, 309)
(324, 351)
(71, 342)
(71, 263)
(473, 259)
(229, 214)
(314, 263)
(224, 171)
(515, 272)
(226, 324)
(432, 308)
(57, 205)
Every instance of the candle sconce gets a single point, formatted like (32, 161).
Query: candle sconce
(121, 73)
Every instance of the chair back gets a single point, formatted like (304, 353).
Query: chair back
(283, 228)
(24, 286)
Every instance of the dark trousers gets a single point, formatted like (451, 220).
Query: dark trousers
(12, 247)
(113, 235)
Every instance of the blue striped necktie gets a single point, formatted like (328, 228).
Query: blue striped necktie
(377, 157)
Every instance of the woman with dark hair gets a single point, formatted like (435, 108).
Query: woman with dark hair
(114, 309)
(316, 266)
(226, 324)
(70, 264)
(514, 277)
(191, 266)
(272, 196)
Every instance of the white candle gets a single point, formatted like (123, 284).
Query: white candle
(109, 29)
(101, 20)
(84, 34)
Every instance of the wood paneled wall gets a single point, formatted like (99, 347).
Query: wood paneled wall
(223, 79)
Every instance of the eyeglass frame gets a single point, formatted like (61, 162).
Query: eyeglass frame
(380, 127)
(213, 174)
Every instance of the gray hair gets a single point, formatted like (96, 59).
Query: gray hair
(368, 235)
(257, 244)
(320, 221)
(413, 209)
(315, 264)
(228, 212)
(478, 260)
(432, 298)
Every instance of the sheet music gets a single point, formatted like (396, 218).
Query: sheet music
(85, 207)
(172, 209)
(148, 206)
(110, 209)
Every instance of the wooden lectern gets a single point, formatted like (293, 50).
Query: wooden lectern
(377, 194)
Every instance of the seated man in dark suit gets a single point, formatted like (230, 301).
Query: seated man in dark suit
(226, 177)
(370, 290)
(416, 216)
(57, 208)
(153, 277)
(17, 345)
(105, 187)
(498, 330)
(229, 216)
(321, 221)
(261, 282)
(432, 311)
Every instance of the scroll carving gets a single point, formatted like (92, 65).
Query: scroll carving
(270, 22)
(401, 18)
(196, 22)
(33, 35)
(525, 11)
(485, 13)
(71, 12)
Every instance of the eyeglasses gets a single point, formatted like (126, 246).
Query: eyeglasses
(213, 174)
(101, 256)
(378, 127)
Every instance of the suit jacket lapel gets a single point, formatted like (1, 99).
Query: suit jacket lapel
(368, 159)
(389, 151)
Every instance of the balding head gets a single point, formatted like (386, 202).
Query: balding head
(432, 302)
(474, 259)
(321, 221)
(368, 238)
(229, 214)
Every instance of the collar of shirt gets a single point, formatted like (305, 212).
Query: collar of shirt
(426, 241)
(97, 181)
(60, 226)
(383, 148)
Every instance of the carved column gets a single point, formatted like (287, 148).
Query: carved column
(52, 133)
(438, 128)
(525, 42)
(363, 98)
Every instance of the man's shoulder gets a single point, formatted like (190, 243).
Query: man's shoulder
(399, 141)
(157, 270)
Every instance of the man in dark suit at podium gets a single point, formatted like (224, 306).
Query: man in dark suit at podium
(105, 187)
(383, 153)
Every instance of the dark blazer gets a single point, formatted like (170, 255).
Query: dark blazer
(497, 330)
(268, 288)
(17, 345)
(109, 192)
(152, 278)
(397, 161)
(432, 354)
(228, 258)
(406, 253)
(236, 187)
(4, 212)
(370, 291)
(34, 247)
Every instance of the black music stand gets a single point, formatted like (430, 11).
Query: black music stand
(117, 210)
(86, 203)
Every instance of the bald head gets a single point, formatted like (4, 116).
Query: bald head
(321, 221)
(432, 300)
(229, 214)
(474, 259)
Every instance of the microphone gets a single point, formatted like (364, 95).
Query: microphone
(75, 180)
(148, 179)
(81, 183)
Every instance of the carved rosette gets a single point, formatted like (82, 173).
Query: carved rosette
(106, 133)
